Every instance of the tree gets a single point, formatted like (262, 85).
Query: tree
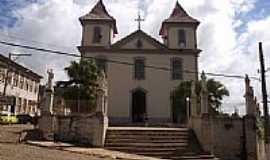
(81, 86)
(216, 91)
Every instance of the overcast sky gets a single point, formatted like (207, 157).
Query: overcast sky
(228, 35)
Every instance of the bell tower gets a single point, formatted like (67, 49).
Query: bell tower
(179, 31)
(98, 26)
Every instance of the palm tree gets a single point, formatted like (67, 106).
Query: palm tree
(81, 86)
(216, 91)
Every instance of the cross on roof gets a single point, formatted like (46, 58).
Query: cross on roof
(139, 20)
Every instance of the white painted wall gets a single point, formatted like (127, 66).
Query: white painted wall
(158, 83)
(12, 90)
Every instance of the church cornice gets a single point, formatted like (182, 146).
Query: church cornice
(91, 49)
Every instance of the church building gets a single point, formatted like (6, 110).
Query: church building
(142, 72)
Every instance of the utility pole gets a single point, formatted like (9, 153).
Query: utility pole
(264, 94)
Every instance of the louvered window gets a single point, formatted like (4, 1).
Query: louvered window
(181, 38)
(97, 35)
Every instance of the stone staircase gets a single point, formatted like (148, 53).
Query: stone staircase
(164, 143)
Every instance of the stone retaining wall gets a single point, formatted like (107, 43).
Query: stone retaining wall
(83, 128)
(219, 135)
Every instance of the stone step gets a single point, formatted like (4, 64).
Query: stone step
(145, 144)
(152, 140)
(146, 129)
(134, 149)
(146, 137)
(194, 157)
(168, 143)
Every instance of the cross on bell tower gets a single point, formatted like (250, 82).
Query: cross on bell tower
(139, 20)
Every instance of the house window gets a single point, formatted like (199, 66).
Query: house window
(97, 35)
(2, 74)
(16, 79)
(30, 85)
(9, 79)
(177, 69)
(101, 63)
(181, 38)
(36, 87)
(139, 69)
(21, 82)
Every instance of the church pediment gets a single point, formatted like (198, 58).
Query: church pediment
(138, 40)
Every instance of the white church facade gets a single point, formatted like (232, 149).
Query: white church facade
(142, 72)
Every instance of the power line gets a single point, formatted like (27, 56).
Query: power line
(120, 62)
(16, 37)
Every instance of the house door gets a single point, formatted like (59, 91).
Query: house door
(138, 106)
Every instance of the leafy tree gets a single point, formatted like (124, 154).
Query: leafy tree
(216, 91)
(81, 86)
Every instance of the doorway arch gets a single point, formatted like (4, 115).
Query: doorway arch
(138, 105)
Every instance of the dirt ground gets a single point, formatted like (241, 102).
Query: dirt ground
(10, 149)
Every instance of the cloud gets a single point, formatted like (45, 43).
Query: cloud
(55, 24)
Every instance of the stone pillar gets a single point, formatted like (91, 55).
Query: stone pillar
(46, 121)
(102, 94)
(193, 100)
(204, 95)
(267, 148)
(101, 121)
(250, 122)
(207, 133)
(251, 105)
(251, 137)
(100, 128)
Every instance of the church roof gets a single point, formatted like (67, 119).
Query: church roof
(179, 15)
(142, 34)
(99, 13)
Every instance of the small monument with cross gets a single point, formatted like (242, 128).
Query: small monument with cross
(139, 20)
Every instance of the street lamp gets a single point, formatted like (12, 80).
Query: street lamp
(8, 68)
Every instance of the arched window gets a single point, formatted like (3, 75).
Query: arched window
(97, 35)
(177, 68)
(139, 68)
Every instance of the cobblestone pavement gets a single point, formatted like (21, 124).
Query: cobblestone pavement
(10, 149)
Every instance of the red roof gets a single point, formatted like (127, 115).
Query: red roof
(179, 15)
(99, 12)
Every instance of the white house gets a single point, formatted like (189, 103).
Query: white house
(22, 86)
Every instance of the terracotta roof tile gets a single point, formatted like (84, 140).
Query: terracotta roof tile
(179, 15)
(99, 12)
